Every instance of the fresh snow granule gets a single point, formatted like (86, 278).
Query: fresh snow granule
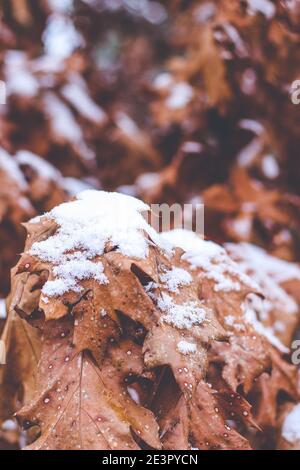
(186, 348)
(291, 426)
(175, 278)
(182, 316)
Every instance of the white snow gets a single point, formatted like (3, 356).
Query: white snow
(60, 5)
(182, 316)
(19, 78)
(154, 12)
(147, 181)
(60, 36)
(41, 166)
(252, 307)
(180, 95)
(248, 81)
(249, 153)
(184, 347)
(2, 309)
(205, 12)
(265, 270)
(9, 425)
(291, 426)
(163, 80)
(77, 94)
(9, 165)
(47, 64)
(62, 120)
(266, 7)
(270, 167)
(242, 227)
(74, 268)
(269, 272)
(85, 227)
(176, 277)
(132, 392)
(251, 125)
(126, 124)
(192, 147)
(64, 124)
(211, 258)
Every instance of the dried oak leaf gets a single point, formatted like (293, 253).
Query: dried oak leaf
(17, 375)
(15, 208)
(248, 361)
(244, 210)
(269, 388)
(223, 289)
(85, 347)
(80, 405)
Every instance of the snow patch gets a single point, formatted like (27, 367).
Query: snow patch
(77, 94)
(270, 167)
(180, 95)
(251, 307)
(2, 309)
(266, 7)
(182, 316)
(211, 258)
(19, 79)
(85, 227)
(64, 124)
(8, 164)
(60, 37)
(176, 277)
(291, 426)
(269, 272)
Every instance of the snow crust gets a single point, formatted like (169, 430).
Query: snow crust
(86, 227)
